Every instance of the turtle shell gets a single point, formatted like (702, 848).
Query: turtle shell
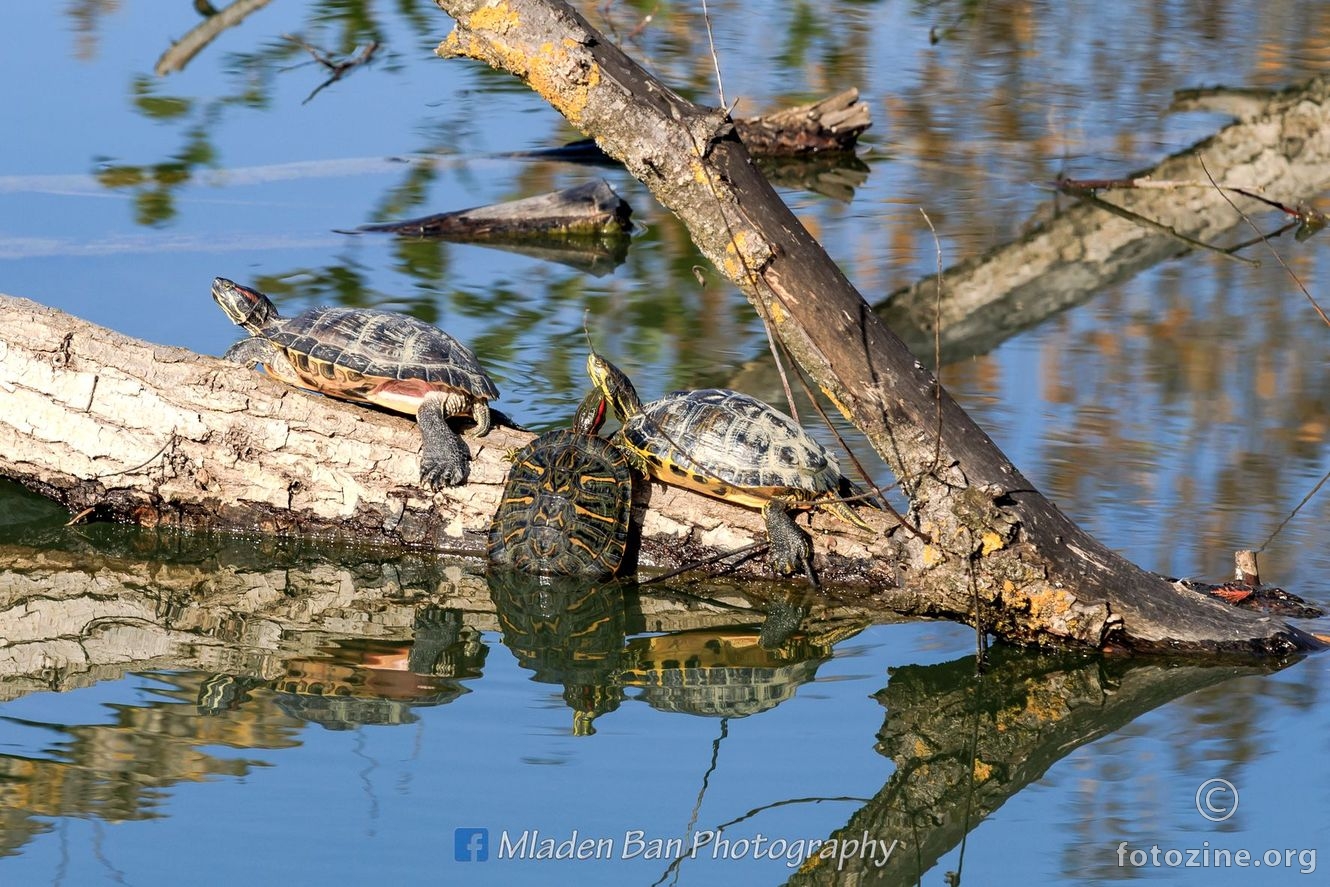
(349, 352)
(565, 507)
(730, 445)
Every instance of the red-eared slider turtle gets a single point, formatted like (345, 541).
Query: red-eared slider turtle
(731, 446)
(566, 505)
(379, 357)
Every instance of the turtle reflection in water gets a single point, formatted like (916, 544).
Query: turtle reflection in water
(567, 631)
(383, 358)
(357, 681)
(725, 672)
(573, 633)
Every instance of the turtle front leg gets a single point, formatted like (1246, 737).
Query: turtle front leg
(257, 349)
(791, 551)
(444, 459)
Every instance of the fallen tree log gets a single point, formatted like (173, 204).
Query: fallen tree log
(591, 208)
(979, 542)
(831, 125)
(162, 437)
(828, 125)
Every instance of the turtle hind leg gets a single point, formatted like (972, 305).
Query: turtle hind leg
(444, 459)
(791, 551)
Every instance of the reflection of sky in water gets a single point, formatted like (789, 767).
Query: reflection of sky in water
(1179, 415)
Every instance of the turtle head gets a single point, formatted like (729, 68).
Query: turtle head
(246, 307)
(614, 386)
(590, 413)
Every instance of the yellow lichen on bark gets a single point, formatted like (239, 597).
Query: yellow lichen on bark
(555, 71)
(498, 18)
(1051, 605)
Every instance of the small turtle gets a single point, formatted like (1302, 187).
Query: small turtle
(731, 446)
(566, 505)
(379, 357)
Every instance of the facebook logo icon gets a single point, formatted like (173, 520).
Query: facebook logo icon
(471, 844)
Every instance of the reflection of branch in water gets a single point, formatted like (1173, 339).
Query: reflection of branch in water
(701, 793)
(184, 50)
(963, 746)
(338, 69)
(788, 802)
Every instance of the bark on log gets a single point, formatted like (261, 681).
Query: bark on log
(982, 533)
(1282, 153)
(160, 436)
(828, 125)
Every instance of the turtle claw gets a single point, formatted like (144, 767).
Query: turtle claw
(444, 462)
(435, 476)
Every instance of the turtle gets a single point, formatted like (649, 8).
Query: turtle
(731, 446)
(566, 504)
(383, 358)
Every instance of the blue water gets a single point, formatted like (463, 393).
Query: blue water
(1179, 415)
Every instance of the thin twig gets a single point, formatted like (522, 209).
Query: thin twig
(338, 69)
(1091, 198)
(937, 343)
(1305, 499)
(749, 551)
(1274, 252)
(715, 59)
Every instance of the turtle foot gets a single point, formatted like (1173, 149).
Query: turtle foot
(791, 551)
(444, 460)
(435, 474)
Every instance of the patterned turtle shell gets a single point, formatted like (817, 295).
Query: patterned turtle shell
(727, 444)
(347, 351)
(566, 505)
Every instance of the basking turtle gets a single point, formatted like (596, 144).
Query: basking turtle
(731, 446)
(566, 505)
(380, 357)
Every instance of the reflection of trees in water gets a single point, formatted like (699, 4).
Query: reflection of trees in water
(339, 26)
(122, 770)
